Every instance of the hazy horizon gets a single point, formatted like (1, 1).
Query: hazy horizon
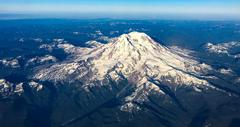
(133, 9)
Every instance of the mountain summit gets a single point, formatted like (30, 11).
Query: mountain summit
(130, 68)
(134, 56)
(135, 40)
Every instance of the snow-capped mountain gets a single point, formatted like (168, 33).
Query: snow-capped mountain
(231, 49)
(7, 89)
(129, 78)
(13, 63)
(41, 60)
(127, 55)
(134, 57)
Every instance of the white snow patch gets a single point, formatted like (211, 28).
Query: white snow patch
(21, 40)
(36, 85)
(38, 40)
(226, 71)
(10, 62)
(4, 85)
(222, 48)
(98, 32)
(19, 89)
(41, 60)
(93, 44)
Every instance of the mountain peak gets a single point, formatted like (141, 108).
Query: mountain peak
(124, 56)
(134, 58)
(135, 37)
(136, 41)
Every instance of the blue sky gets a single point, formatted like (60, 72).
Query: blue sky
(120, 1)
(222, 9)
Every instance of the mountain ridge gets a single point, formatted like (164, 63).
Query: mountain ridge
(131, 75)
(131, 52)
(134, 57)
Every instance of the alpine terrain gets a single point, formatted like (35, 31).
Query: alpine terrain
(130, 81)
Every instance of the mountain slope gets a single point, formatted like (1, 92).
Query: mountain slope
(127, 54)
(134, 57)
(130, 81)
